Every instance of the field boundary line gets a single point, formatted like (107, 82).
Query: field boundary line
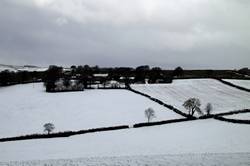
(232, 85)
(62, 134)
(239, 121)
(138, 125)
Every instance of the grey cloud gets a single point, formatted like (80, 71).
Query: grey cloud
(102, 33)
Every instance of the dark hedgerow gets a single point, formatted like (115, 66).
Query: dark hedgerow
(233, 85)
(63, 134)
(240, 121)
(161, 122)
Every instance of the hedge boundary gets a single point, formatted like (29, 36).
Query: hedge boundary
(162, 103)
(233, 85)
(111, 88)
(220, 116)
(224, 114)
(240, 121)
(62, 134)
(233, 112)
(138, 125)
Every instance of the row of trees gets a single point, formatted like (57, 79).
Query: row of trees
(58, 79)
(10, 77)
(193, 105)
(139, 73)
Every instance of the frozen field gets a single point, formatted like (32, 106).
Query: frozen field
(242, 83)
(223, 98)
(193, 137)
(234, 159)
(25, 108)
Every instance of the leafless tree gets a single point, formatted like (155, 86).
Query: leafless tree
(193, 105)
(48, 127)
(150, 114)
(209, 108)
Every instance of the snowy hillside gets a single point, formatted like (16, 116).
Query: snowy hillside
(242, 83)
(21, 68)
(194, 137)
(223, 98)
(27, 107)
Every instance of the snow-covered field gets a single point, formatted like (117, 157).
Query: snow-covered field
(193, 137)
(242, 83)
(223, 98)
(25, 108)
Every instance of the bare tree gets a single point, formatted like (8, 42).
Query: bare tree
(150, 114)
(209, 108)
(193, 105)
(48, 127)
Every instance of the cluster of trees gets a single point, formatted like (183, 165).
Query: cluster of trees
(56, 80)
(244, 71)
(156, 74)
(193, 105)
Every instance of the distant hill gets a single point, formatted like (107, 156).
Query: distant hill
(15, 68)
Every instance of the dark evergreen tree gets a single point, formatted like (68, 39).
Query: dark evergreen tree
(141, 73)
(52, 75)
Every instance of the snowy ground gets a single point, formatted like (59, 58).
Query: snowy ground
(223, 97)
(242, 83)
(193, 137)
(25, 108)
(209, 159)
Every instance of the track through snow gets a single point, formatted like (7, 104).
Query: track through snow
(223, 98)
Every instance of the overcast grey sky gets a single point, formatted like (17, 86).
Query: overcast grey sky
(166, 33)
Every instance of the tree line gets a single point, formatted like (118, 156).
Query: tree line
(85, 75)
(10, 77)
(59, 79)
